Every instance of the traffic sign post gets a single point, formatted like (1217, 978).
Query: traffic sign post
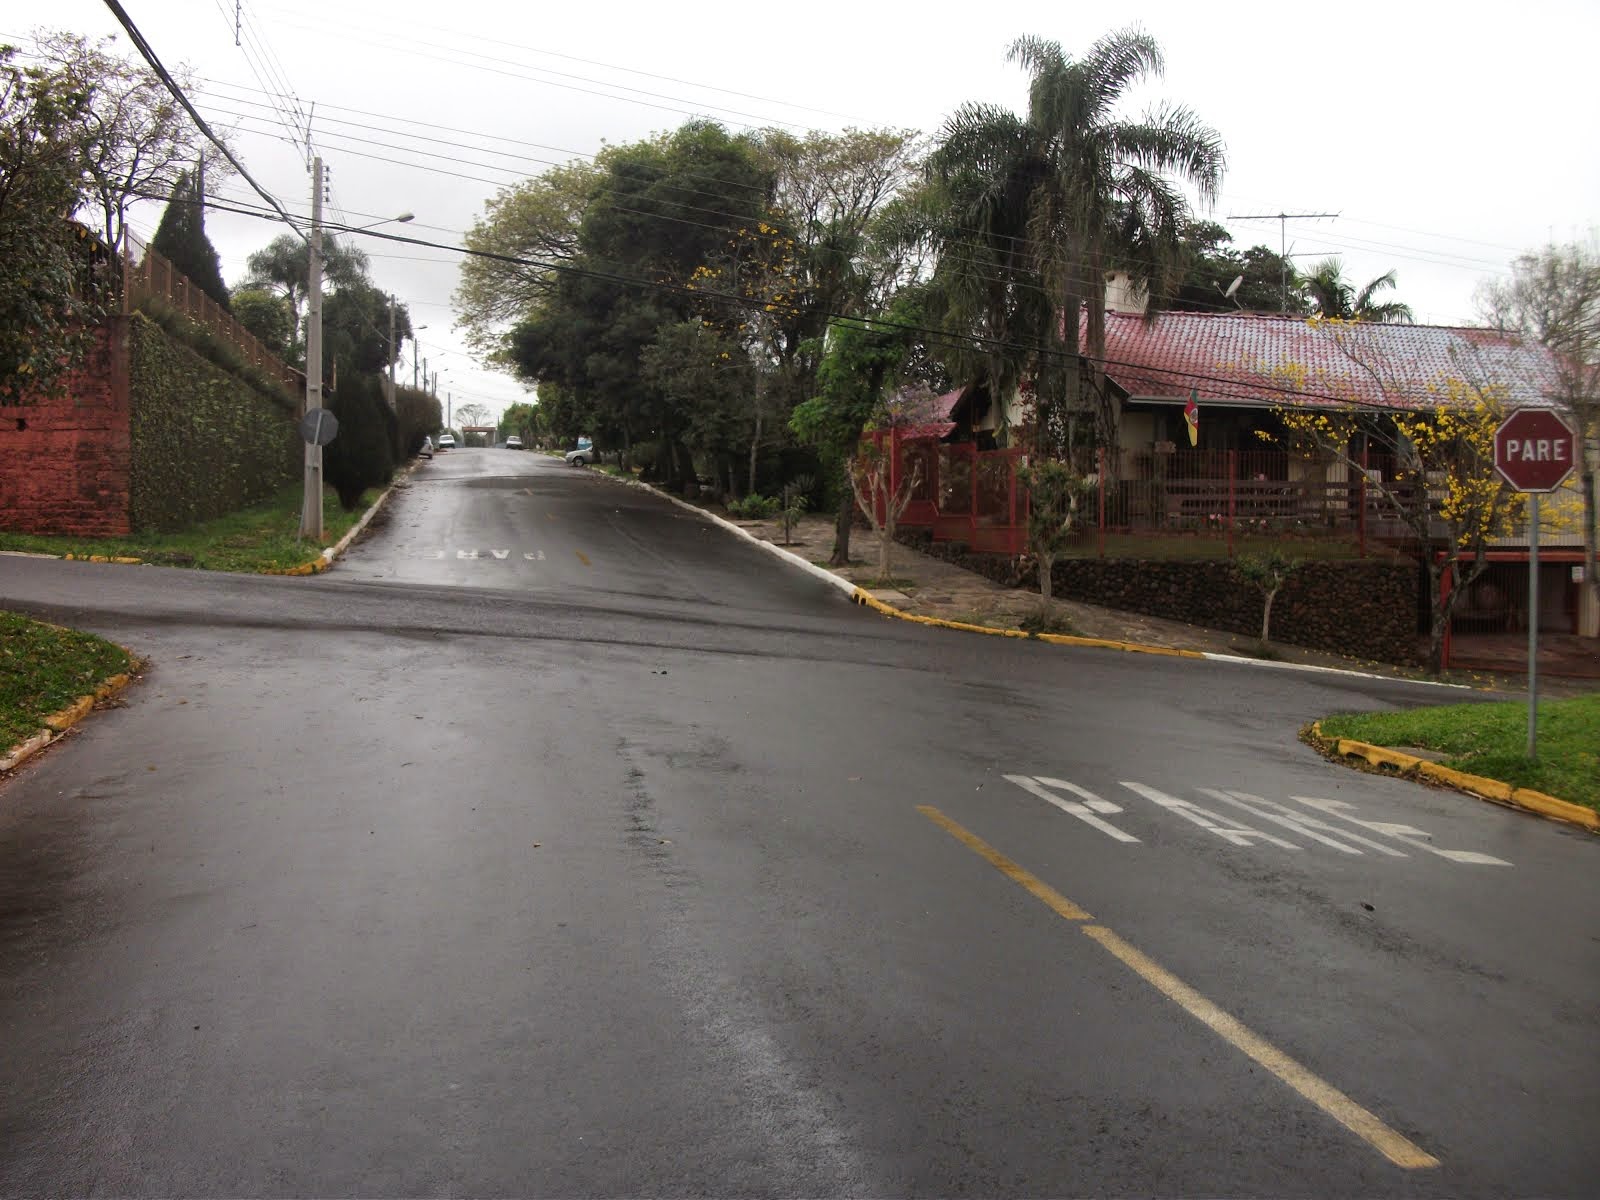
(1534, 451)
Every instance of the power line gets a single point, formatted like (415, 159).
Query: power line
(943, 336)
(629, 70)
(149, 55)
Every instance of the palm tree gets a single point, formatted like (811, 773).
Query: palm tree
(1334, 296)
(1037, 209)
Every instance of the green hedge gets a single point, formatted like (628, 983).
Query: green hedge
(204, 441)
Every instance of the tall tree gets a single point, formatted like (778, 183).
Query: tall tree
(181, 238)
(284, 266)
(355, 329)
(268, 318)
(134, 139)
(1332, 295)
(1553, 297)
(47, 290)
(527, 231)
(1039, 208)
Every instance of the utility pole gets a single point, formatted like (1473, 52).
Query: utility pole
(391, 350)
(448, 405)
(311, 506)
(1283, 219)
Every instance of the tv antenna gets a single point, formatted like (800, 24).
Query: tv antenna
(1283, 219)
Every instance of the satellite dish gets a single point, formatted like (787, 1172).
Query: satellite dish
(1232, 288)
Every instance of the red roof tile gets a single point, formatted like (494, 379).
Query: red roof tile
(1288, 360)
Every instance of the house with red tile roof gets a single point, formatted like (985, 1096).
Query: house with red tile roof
(1240, 366)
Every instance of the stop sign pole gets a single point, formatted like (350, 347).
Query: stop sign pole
(1534, 451)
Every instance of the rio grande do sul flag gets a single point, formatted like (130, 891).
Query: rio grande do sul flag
(1191, 417)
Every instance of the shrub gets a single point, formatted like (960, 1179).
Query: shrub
(755, 507)
(362, 455)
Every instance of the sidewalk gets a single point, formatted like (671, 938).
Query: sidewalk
(926, 586)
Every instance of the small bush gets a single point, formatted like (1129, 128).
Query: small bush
(755, 507)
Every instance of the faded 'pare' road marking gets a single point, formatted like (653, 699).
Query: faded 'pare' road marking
(475, 555)
(1360, 1121)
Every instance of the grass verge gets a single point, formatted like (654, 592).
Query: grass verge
(44, 668)
(262, 538)
(1490, 740)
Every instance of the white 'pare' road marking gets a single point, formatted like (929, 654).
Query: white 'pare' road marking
(1418, 839)
(1297, 822)
(1085, 811)
(1239, 835)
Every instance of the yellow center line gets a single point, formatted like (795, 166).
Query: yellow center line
(1364, 1124)
(1021, 876)
(582, 557)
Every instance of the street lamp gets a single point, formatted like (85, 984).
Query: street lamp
(416, 353)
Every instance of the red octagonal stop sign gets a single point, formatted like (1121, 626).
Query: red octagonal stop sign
(1534, 450)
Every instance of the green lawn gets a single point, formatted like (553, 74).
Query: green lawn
(44, 668)
(1489, 740)
(256, 539)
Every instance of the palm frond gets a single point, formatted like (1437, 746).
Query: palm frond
(1174, 139)
(1115, 63)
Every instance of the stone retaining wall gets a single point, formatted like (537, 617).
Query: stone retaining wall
(1364, 608)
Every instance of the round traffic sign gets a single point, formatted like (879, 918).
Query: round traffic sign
(1534, 450)
(319, 427)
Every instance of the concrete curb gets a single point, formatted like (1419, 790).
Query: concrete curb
(863, 597)
(325, 558)
(343, 544)
(57, 723)
(1494, 790)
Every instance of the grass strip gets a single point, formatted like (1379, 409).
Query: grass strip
(261, 538)
(43, 669)
(1491, 740)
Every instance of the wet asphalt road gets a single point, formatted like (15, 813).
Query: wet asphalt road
(558, 843)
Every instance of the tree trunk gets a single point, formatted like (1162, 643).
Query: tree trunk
(1266, 615)
(1047, 578)
(627, 448)
(841, 531)
(755, 446)
(1441, 617)
(885, 547)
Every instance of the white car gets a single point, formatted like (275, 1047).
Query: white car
(447, 441)
(426, 449)
(580, 457)
(513, 442)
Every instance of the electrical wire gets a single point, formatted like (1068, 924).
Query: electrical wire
(870, 324)
(149, 55)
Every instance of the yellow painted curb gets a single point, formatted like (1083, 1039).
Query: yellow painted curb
(1496, 790)
(315, 567)
(57, 723)
(69, 716)
(862, 596)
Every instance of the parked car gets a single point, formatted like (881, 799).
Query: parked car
(447, 441)
(581, 457)
(513, 442)
(426, 449)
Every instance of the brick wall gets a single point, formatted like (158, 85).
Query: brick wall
(64, 461)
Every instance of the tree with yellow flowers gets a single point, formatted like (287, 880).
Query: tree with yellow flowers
(1443, 488)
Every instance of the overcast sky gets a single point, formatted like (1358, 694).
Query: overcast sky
(1448, 138)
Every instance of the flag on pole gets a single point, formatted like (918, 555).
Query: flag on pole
(1191, 417)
